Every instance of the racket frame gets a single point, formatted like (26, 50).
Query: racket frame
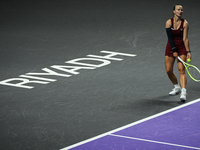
(189, 65)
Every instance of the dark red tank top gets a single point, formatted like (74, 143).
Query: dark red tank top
(177, 34)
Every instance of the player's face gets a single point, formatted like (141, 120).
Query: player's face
(178, 10)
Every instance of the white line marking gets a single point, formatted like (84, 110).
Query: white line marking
(131, 124)
(164, 143)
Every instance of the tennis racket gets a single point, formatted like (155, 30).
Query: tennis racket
(192, 70)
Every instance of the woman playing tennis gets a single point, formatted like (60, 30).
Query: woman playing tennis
(177, 45)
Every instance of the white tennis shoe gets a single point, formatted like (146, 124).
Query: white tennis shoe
(183, 95)
(176, 90)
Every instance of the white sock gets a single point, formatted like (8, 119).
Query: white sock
(176, 86)
(183, 90)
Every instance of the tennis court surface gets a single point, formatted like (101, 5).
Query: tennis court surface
(176, 129)
(73, 70)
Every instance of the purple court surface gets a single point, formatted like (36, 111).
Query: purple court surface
(175, 129)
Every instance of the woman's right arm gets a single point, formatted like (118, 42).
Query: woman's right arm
(168, 26)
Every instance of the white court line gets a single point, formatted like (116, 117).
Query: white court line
(157, 142)
(131, 124)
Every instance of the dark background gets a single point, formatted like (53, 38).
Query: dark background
(38, 34)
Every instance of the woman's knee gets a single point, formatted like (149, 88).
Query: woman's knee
(181, 71)
(169, 71)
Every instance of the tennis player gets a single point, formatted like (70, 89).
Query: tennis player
(177, 45)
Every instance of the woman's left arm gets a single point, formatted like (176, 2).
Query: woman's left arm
(185, 38)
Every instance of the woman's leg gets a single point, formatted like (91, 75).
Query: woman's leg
(183, 78)
(181, 70)
(169, 64)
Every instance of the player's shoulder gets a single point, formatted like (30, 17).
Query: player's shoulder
(185, 24)
(185, 21)
(168, 23)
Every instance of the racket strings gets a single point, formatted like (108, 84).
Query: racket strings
(194, 72)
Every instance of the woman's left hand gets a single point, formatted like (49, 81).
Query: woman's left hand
(188, 55)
